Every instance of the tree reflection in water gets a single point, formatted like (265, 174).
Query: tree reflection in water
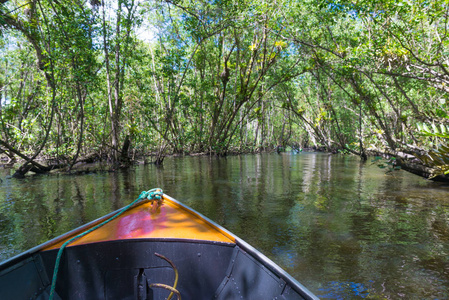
(343, 228)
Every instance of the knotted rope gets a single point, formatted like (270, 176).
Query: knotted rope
(153, 194)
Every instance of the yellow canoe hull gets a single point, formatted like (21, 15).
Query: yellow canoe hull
(171, 220)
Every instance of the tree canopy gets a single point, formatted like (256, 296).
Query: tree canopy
(114, 79)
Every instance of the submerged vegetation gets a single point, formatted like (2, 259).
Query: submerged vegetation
(88, 80)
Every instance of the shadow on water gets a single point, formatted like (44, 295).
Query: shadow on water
(345, 229)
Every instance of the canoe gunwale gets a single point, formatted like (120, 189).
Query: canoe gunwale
(268, 263)
(64, 236)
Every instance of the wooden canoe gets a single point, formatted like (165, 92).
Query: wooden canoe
(141, 253)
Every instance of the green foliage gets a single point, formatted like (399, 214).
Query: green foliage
(438, 157)
(388, 164)
(441, 130)
(225, 75)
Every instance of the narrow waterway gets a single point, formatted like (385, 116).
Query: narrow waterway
(345, 229)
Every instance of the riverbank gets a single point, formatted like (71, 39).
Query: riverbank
(95, 163)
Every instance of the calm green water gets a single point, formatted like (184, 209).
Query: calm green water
(344, 229)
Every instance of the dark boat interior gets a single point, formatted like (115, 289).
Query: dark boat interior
(132, 269)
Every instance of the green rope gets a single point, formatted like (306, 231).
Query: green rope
(153, 194)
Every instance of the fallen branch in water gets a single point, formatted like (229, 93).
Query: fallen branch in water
(411, 164)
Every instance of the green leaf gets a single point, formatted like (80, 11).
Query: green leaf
(435, 129)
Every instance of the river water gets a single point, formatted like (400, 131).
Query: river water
(343, 228)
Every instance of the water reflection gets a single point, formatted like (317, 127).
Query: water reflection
(343, 228)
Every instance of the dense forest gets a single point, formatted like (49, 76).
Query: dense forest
(120, 79)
